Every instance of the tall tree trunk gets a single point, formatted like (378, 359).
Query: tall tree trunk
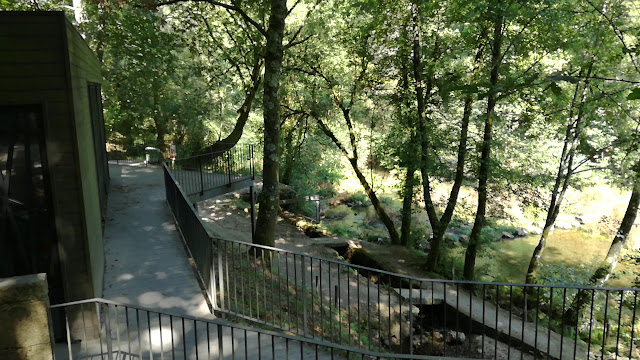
(563, 178)
(407, 200)
(440, 228)
(408, 157)
(485, 156)
(270, 195)
(601, 275)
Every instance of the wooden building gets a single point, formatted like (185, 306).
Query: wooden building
(53, 165)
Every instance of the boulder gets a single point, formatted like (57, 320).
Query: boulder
(521, 232)
(455, 337)
(507, 235)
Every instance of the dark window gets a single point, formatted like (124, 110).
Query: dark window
(27, 234)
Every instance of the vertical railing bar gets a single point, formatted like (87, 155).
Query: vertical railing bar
(510, 319)
(209, 341)
(221, 286)
(286, 264)
(246, 345)
(273, 271)
(150, 339)
(184, 340)
(564, 303)
(471, 295)
(484, 312)
(264, 283)
(280, 287)
(458, 310)
(445, 315)
(115, 309)
(388, 305)
(139, 333)
(173, 345)
(99, 318)
(549, 324)
(330, 315)
(605, 330)
(349, 307)
(107, 326)
(126, 316)
(273, 347)
(66, 321)
(535, 340)
(295, 288)
(410, 316)
(84, 331)
(633, 323)
(195, 336)
(525, 318)
(619, 322)
(577, 333)
(249, 294)
(495, 343)
(161, 342)
(225, 259)
(339, 305)
(303, 270)
(220, 339)
(593, 294)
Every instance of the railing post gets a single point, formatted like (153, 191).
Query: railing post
(201, 176)
(229, 165)
(107, 326)
(220, 274)
(304, 299)
(252, 198)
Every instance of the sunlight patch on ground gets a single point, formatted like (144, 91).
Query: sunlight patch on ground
(125, 277)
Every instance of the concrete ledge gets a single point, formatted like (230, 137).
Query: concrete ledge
(25, 326)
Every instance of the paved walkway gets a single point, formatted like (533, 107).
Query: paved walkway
(146, 263)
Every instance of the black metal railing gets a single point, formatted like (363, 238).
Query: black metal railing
(371, 309)
(103, 329)
(364, 308)
(200, 173)
(194, 234)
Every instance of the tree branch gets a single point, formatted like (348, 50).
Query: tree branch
(232, 7)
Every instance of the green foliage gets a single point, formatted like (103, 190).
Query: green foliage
(565, 275)
(340, 229)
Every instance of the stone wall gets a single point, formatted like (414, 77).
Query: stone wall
(25, 326)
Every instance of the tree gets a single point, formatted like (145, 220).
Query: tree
(270, 195)
(483, 173)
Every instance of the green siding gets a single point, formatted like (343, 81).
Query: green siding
(35, 68)
(84, 68)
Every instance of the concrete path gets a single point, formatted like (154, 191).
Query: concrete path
(146, 263)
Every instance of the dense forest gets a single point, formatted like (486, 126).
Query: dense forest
(524, 100)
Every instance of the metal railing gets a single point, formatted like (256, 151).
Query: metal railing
(194, 234)
(364, 308)
(103, 329)
(199, 173)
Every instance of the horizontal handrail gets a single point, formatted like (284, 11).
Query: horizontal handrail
(415, 278)
(107, 330)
